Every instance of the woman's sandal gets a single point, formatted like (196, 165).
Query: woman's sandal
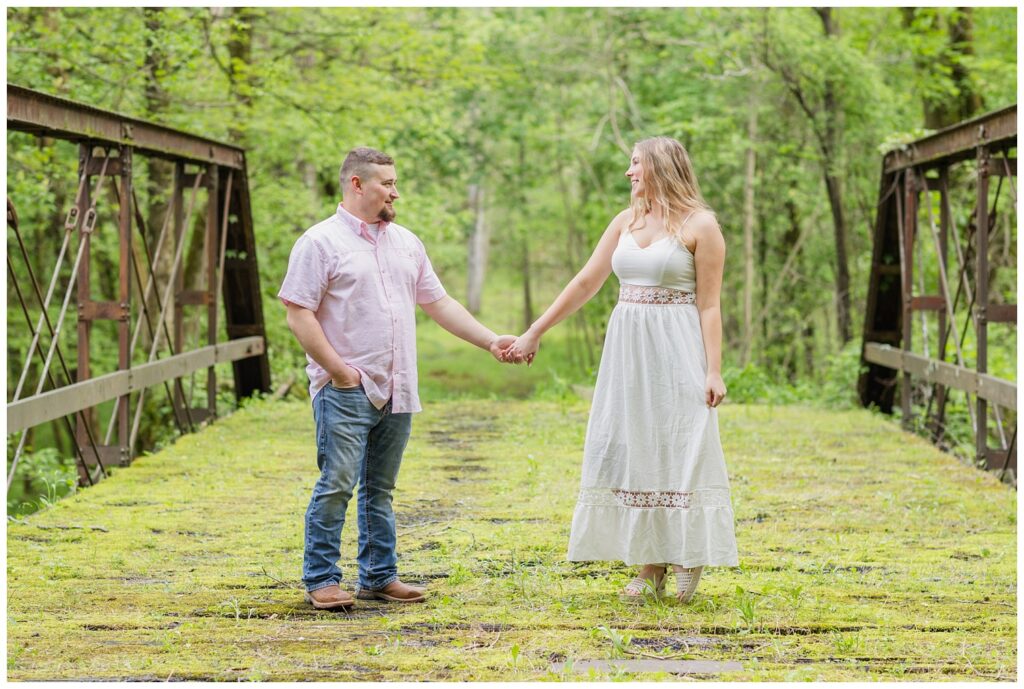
(637, 590)
(686, 582)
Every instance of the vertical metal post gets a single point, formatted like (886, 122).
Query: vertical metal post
(981, 296)
(943, 257)
(907, 242)
(83, 294)
(210, 246)
(944, 221)
(178, 210)
(124, 357)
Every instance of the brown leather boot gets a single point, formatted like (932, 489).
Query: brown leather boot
(395, 592)
(330, 598)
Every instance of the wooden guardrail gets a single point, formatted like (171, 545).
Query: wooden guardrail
(995, 390)
(73, 398)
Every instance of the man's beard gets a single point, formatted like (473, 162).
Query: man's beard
(386, 214)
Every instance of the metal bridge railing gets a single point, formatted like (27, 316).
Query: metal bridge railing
(911, 179)
(109, 145)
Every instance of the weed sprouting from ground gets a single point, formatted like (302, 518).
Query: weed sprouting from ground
(746, 606)
(619, 640)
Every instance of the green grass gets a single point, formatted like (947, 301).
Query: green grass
(865, 554)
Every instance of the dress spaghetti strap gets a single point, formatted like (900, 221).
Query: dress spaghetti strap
(688, 218)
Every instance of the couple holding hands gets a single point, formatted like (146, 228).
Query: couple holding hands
(654, 490)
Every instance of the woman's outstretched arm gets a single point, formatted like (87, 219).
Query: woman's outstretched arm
(577, 293)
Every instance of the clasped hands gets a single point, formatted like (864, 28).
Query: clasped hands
(510, 349)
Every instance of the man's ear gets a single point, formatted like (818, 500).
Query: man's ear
(357, 184)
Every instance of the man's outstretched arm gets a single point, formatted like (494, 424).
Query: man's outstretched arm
(453, 317)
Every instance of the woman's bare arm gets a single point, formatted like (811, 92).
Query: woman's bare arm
(709, 261)
(578, 292)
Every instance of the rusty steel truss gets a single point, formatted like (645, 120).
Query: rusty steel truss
(913, 179)
(109, 145)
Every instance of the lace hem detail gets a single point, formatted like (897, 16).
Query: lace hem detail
(646, 499)
(635, 294)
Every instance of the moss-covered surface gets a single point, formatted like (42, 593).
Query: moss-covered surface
(865, 554)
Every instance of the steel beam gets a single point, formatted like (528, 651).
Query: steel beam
(928, 303)
(1001, 313)
(959, 142)
(42, 114)
(124, 327)
(210, 250)
(84, 422)
(981, 295)
(909, 229)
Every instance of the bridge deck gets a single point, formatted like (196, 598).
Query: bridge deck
(866, 554)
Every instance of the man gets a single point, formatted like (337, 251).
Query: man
(352, 286)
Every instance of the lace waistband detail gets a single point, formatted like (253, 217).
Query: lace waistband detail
(646, 499)
(635, 294)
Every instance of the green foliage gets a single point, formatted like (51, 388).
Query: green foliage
(835, 386)
(746, 606)
(40, 479)
(473, 96)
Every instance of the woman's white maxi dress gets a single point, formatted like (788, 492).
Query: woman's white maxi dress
(654, 486)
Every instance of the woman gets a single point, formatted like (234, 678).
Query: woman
(654, 490)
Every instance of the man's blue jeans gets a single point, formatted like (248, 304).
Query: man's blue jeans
(355, 442)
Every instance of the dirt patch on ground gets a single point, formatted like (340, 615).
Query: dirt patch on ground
(462, 433)
(680, 643)
(464, 468)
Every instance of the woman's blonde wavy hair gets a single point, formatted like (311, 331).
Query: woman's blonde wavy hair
(669, 184)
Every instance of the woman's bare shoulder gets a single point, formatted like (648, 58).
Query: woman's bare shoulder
(704, 224)
(620, 222)
(706, 232)
(703, 219)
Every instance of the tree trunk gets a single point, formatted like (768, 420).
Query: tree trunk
(947, 111)
(831, 146)
(748, 234)
(581, 334)
(239, 77)
(525, 269)
(476, 255)
(835, 199)
(161, 173)
(310, 180)
(939, 111)
(762, 256)
(807, 338)
(791, 238)
(961, 44)
(525, 244)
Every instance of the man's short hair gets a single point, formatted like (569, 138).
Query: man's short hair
(358, 161)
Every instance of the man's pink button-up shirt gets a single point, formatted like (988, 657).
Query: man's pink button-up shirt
(364, 294)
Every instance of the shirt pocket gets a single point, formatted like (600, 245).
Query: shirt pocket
(407, 264)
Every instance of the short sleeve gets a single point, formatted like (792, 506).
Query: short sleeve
(428, 286)
(308, 275)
